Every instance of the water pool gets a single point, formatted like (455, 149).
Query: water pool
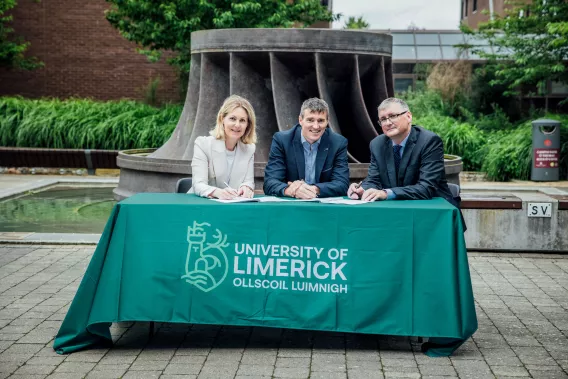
(59, 209)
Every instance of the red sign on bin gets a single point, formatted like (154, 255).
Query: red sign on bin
(546, 158)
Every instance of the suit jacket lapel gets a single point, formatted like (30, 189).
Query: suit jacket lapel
(389, 159)
(410, 143)
(219, 158)
(321, 156)
(299, 154)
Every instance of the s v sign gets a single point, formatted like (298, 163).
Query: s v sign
(539, 210)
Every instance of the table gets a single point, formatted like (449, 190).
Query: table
(391, 267)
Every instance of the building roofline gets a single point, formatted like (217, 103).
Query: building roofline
(443, 31)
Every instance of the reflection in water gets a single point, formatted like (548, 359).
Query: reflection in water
(58, 210)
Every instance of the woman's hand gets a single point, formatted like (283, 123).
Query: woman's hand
(224, 194)
(246, 191)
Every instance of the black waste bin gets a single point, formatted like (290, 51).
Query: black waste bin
(546, 150)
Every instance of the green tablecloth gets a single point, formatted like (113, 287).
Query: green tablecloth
(391, 267)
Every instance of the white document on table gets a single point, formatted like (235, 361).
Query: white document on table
(271, 199)
(340, 200)
(274, 199)
(264, 199)
(237, 200)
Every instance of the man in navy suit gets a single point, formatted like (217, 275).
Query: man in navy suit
(308, 160)
(407, 161)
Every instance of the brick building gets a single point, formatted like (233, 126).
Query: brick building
(473, 12)
(84, 55)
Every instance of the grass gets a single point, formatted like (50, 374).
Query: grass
(84, 123)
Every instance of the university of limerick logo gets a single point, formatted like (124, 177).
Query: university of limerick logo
(206, 265)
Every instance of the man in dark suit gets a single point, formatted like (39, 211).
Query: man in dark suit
(308, 160)
(407, 161)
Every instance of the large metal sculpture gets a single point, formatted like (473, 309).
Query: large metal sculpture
(276, 69)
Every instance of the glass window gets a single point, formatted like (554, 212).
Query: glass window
(429, 52)
(403, 39)
(558, 88)
(403, 52)
(474, 5)
(403, 84)
(451, 39)
(473, 40)
(427, 39)
(403, 68)
(450, 52)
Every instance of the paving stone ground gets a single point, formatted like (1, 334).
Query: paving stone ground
(521, 301)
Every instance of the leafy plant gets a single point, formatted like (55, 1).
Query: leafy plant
(427, 102)
(529, 43)
(462, 139)
(494, 121)
(151, 91)
(356, 23)
(12, 47)
(84, 124)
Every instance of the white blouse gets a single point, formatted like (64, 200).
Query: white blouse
(230, 161)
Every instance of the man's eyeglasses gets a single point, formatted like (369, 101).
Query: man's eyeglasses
(392, 118)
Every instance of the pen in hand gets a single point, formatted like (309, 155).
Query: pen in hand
(231, 190)
(354, 195)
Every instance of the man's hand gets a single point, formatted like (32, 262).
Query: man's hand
(245, 191)
(374, 194)
(355, 191)
(307, 192)
(290, 191)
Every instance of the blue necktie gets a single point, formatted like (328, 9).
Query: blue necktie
(396, 153)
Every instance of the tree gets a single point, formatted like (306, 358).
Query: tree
(530, 44)
(356, 23)
(12, 48)
(168, 24)
(413, 26)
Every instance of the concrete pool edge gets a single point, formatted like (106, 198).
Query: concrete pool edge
(40, 184)
(49, 238)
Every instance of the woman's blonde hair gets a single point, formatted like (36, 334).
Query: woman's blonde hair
(230, 104)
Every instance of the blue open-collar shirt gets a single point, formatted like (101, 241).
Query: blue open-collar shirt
(310, 154)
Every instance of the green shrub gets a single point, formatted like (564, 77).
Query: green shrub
(11, 115)
(426, 102)
(495, 121)
(508, 154)
(484, 97)
(462, 139)
(84, 124)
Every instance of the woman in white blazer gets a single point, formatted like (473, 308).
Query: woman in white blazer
(223, 163)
